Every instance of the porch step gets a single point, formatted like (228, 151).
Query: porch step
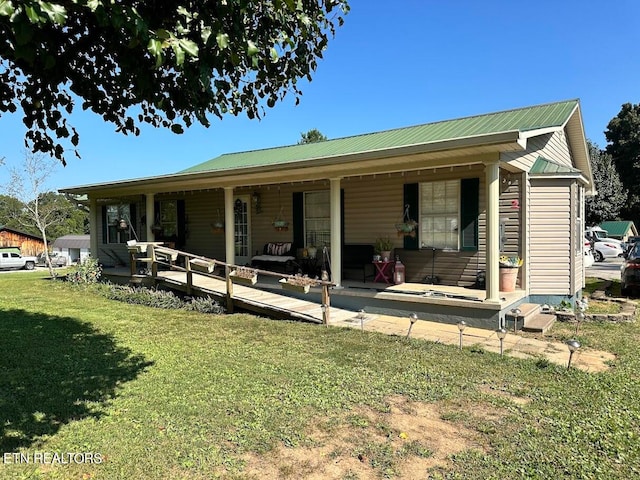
(530, 319)
(527, 311)
(540, 323)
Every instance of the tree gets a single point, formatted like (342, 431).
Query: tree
(611, 196)
(623, 137)
(38, 208)
(312, 136)
(164, 63)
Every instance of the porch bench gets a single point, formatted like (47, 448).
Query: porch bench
(358, 257)
(276, 257)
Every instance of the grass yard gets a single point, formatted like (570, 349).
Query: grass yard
(173, 394)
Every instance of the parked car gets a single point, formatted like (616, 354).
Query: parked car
(57, 260)
(10, 259)
(597, 234)
(606, 249)
(630, 271)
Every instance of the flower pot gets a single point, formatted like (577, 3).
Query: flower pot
(202, 265)
(508, 278)
(386, 255)
(294, 288)
(243, 280)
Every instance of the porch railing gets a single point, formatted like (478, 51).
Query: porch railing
(155, 254)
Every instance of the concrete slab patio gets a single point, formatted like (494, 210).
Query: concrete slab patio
(514, 345)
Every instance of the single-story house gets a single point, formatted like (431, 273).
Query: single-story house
(75, 248)
(506, 183)
(620, 230)
(30, 245)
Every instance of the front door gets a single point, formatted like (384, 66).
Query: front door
(242, 229)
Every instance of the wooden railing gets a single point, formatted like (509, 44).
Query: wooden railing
(155, 254)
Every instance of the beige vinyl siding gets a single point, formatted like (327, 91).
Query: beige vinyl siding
(550, 230)
(201, 210)
(510, 205)
(553, 146)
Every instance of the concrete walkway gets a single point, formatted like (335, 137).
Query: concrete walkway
(514, 345)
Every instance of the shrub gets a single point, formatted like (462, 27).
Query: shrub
(204, 305)
(153, 297)
(88, 271)
(144, 296)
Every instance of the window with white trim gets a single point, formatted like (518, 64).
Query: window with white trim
(317, 218)
(440, 214)
(117, 223)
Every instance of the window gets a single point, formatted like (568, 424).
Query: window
(317, 222)
(168, 218)
(439, 214)
(115, 218)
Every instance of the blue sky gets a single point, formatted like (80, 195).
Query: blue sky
(395, 64)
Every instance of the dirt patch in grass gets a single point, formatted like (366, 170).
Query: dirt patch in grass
(403, 442)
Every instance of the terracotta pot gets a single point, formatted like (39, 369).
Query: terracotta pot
(508, 278)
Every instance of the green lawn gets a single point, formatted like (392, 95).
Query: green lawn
(173, 394)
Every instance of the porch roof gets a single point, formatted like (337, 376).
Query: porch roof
(517, 120)
(446, 143)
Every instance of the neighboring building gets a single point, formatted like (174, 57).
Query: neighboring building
(75, 248)
(30, 245)
(510, 182)
(620, 230)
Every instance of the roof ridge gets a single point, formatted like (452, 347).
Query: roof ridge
(479, 115)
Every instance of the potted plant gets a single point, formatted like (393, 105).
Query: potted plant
(509, 266)
(298, 283)
(244, 275)
(383, 247)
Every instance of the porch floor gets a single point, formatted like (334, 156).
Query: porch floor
(447, 333)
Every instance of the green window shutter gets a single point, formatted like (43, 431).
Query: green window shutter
(298, 220)
(469, 211)
(182, 224)
(104, 226)
(412, 198)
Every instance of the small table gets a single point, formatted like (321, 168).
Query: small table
(383, 272)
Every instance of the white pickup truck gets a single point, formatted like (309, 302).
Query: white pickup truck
(10, 258)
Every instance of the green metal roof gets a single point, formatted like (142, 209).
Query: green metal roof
(617, 229)
(545, 166)
(522, 120)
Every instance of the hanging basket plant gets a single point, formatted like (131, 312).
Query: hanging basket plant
(279, 223)
(218, 225)
(407, 226)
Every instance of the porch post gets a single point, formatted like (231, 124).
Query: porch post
(93, 227)
(336, 234)
(149, 199)
(492, 179)
(229, 226)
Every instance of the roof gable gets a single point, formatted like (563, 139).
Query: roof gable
(529, 119)
(618, 228)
